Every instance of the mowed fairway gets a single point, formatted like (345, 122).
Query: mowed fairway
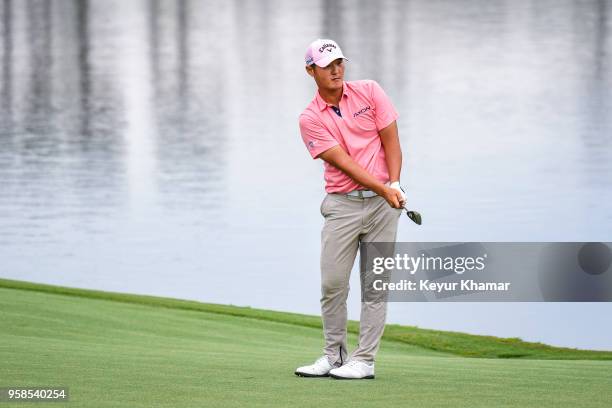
(113, 354)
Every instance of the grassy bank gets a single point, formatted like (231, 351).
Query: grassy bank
(461, 344)
(135, 351)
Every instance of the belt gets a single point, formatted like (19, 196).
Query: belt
(361, 193)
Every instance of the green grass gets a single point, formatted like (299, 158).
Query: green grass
(461, 344)
(115, 350)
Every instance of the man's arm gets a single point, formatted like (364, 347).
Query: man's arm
(393, 151)
(337, 157)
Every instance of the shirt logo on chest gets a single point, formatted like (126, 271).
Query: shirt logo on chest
(363, 110)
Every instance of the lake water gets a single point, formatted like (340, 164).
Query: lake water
(152, 146)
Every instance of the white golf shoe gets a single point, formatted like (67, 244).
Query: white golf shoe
(353, 370)
(320, 368)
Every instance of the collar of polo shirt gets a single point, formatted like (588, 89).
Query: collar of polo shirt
(322, 104)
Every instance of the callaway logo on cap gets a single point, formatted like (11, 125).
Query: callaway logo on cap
(323, 52)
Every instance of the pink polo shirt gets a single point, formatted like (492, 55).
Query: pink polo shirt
(365, 110)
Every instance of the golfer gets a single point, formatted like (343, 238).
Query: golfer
(352, 127)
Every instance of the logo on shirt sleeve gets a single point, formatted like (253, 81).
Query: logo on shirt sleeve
(311, 144)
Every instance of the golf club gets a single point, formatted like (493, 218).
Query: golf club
(413, 215)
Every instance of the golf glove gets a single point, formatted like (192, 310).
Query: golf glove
(396, 185)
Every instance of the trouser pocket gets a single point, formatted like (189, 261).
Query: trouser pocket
(326, 205)
(321, 207)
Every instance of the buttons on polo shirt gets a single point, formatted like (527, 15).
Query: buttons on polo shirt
(336, 109)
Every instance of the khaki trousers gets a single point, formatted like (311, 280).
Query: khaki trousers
(349, 221)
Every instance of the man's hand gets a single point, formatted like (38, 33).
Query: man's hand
(394, 197)
(396, 185)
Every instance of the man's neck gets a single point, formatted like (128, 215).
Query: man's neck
(332, 96)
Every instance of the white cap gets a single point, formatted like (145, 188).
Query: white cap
(323, 52)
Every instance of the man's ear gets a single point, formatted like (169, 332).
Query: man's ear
(310, 70)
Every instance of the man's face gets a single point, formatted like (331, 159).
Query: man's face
(330, 77)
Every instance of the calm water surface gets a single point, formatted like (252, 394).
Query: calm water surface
(152, 146)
